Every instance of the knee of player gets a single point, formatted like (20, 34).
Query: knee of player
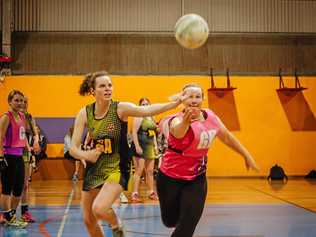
(89, 220)
(26, 186)
(97, 210)
(150, 172)
(17, 193)
(100, 211)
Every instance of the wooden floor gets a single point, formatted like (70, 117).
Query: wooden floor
(299, 192)
(234, 208)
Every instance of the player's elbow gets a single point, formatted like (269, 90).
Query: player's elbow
(72, 151)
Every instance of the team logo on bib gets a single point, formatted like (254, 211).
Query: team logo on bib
(110, 127)
(151, 133)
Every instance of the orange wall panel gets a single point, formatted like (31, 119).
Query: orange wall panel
(264, 126)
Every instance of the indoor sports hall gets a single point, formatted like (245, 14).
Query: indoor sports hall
(250, 66)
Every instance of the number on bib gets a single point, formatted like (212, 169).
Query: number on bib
(206, 139)
(104, 145)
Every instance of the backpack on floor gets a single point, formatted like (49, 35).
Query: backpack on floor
(277, 173)
(311, 175)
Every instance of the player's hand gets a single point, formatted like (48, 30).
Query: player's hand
(3, 163)
(251, 164)
(139, 150)
(195, 111)
(36, 147)
(187, 117)
(183, 96)
(179, 97)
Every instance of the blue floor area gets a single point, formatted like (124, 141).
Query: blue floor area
(144, 221)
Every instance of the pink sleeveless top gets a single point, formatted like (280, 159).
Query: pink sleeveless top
(186, 158)
(15, 139)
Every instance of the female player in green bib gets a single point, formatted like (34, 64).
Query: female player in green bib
(145, 152)
(107, 167)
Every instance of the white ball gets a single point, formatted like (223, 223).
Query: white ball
(191, 31)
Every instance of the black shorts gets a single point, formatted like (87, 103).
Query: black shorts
(68, 156)
(12, 178)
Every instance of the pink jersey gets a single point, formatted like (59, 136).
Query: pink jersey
(186, 158)
(15, 139)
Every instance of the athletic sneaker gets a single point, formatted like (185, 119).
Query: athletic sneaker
(15, 223)
(123, 198)
(135, 198)
(27, 217)
(75, 177)
(118, 232)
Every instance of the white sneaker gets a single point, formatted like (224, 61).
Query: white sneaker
(123, 198)
(75, 177)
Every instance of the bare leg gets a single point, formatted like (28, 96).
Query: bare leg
(102, 205)
(92, 225)
(15, 202)
(149, 167)
(75, 176)
(29, 172)
(6, 202)
(77, 166)
(25, 193)
(139, 167)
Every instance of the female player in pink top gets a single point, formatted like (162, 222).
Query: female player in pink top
(181, 180)
(12, 144)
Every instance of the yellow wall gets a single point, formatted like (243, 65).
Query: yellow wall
(264, 128)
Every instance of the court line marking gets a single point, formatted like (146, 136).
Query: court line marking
(63, 222)
(42, 226)
(162, 234)
(284, 200)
